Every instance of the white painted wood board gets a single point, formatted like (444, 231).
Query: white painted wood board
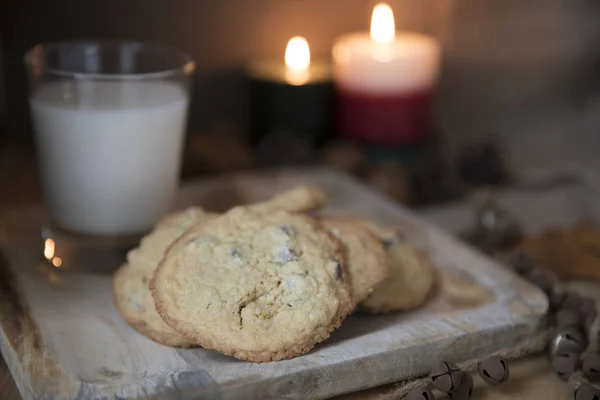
(62, 338)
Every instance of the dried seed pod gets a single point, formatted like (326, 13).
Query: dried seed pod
(465, 390)
(391, 179)
(496, 228)
(521, 262)
(565, 364)
(446, 377)
(420, 393)
(493, 371)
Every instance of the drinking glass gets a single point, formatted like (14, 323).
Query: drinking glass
(109, 120)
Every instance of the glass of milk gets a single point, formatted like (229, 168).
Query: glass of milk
(109, 121)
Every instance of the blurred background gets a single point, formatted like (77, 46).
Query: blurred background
(519, 80)
(518, 90)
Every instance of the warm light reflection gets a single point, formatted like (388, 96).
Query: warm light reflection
(49, 247)
(57, 262)
(297, 60)
(383, 29)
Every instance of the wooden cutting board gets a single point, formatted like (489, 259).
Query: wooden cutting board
(62, 338)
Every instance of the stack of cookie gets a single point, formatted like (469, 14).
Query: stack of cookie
(265, 282)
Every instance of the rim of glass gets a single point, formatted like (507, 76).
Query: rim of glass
(187, 65)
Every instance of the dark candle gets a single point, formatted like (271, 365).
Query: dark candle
(293, 96)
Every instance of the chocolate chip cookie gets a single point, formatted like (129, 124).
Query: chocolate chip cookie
(298, 199)
(130, 284)
(369, 263)
(257, 286)
(411, 279)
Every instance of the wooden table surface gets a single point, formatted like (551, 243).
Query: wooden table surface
(531, 379)
(18, 173)
(8, 389)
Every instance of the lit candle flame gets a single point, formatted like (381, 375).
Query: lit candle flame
(297, 60)
(297, 54)
(383, 28)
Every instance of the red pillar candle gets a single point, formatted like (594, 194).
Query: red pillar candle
(384, 81)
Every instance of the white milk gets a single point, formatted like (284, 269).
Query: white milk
(109, 152)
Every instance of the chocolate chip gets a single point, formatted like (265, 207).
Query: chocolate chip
(494, 370)
(287, 230)
(568, 340)
(464, 391)
(420, 393)
(565, 364)
(586, 392)
(567, 318)
(339, 271)
(590, 366)
(521, 262)
(235, 253)
(446, 377)
(285, 255)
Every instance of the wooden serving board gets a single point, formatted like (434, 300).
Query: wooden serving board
(62, 337)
